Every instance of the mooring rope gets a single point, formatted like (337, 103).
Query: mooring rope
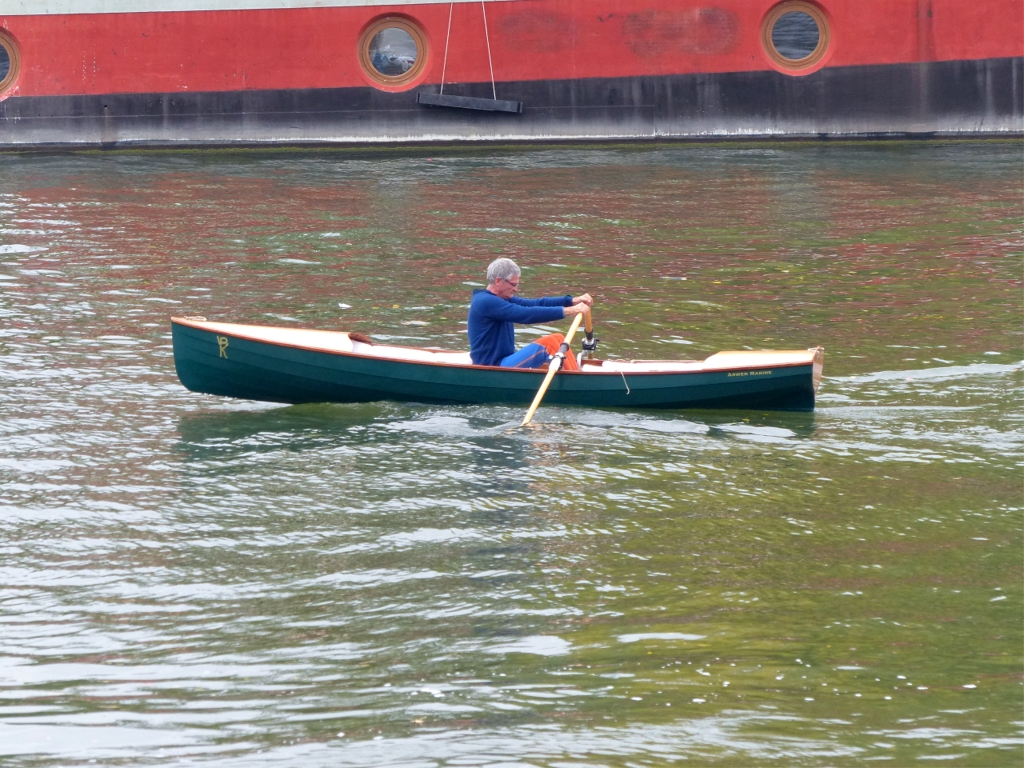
(447, 37)
(487, 36)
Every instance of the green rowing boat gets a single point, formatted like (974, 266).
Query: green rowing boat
(295, 365)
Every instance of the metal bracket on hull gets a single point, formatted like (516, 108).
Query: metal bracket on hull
(468, 102)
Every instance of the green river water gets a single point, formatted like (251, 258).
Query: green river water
(187, 580)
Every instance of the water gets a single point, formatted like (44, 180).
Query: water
(190, 580)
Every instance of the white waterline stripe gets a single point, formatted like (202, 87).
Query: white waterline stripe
(9, 8)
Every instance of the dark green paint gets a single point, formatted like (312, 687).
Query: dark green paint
(255, 370)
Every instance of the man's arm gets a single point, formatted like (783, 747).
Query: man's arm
(556, 301)
(548, 301)
(519, 311)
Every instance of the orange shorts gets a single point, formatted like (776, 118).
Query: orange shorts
(551, 343)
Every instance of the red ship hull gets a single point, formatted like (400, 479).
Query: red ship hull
(579, 69)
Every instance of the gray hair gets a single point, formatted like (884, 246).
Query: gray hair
(502, 268)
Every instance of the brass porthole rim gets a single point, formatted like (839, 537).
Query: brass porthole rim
(811, 59)
(419, 37)
(15, 56)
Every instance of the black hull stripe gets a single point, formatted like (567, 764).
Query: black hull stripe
(977, 97)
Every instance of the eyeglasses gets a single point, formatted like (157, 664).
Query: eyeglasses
(514, 285)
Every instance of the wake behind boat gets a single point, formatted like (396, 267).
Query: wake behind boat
(296, 365)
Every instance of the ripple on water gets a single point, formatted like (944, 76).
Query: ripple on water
(186, 578)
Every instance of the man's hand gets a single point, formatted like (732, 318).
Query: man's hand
(575, 309)
(586, 298)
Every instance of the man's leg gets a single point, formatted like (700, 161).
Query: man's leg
(530, 356)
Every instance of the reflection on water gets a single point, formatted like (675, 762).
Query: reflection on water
(184, 578)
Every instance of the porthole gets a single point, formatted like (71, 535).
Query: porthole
(393, 52)
(795, 35)
(9, 63)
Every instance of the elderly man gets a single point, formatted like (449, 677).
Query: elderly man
(494, 311)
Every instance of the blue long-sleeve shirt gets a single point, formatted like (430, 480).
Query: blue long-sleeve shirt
(492, 321)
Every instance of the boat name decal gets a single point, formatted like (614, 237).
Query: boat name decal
(222, 345)
(750, 373)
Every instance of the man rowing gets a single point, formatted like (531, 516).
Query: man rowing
(493, 313)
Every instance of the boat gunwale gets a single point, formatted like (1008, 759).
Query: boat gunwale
(198, 325)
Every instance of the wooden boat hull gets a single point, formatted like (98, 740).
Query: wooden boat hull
(218, 362)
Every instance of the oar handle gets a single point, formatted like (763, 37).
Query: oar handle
(553, 368)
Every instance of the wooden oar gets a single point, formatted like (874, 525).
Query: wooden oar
(553, 368)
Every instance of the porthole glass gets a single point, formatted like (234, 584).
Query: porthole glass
(393, 52)
(795, 35)
(8, 63)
